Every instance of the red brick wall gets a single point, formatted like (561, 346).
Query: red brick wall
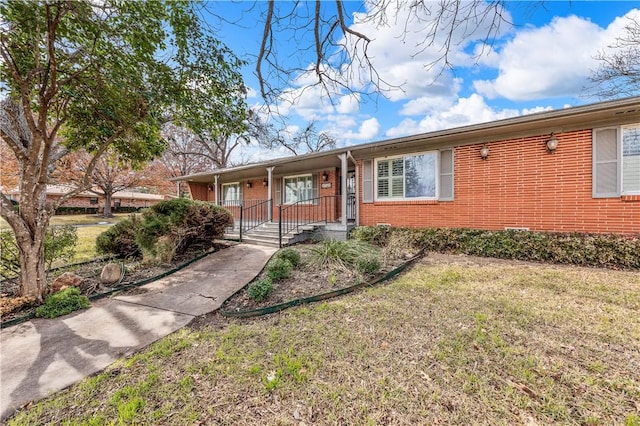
(519, 185)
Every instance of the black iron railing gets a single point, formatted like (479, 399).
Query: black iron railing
(253, 214)
(351, 206)
(291, 217)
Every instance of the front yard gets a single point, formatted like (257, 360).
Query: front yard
(455, 340)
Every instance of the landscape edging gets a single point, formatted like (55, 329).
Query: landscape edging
(318, 297)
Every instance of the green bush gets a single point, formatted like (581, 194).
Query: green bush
(62, 303)
(279, 269)
(120, 239)
(260, 290)
(601, 250)
(292, 255)
(59, 244)
(170, 228)
(376, 235)
(368, 265)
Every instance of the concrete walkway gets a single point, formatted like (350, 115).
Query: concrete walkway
(42, 356)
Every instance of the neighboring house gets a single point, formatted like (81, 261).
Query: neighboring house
(91, 203)
(570, 170)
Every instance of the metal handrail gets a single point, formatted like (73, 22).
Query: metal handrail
(254, 215)
(314, 210)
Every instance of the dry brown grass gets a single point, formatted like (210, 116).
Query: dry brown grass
(453, 341)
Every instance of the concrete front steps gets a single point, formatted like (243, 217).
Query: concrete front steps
(267, 235)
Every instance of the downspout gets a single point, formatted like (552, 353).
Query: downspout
(357, 188)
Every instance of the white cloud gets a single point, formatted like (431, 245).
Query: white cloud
(348, 104)
(551, 61)
(368, 130)
(404, 55)
(465, 111)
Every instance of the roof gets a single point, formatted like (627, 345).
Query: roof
(621, 111)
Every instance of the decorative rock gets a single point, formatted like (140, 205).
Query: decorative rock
(110, 273)
(68, 279)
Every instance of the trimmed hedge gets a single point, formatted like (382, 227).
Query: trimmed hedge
(601, 250)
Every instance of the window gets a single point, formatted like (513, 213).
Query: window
(231, 191)
(408, 177)
(631, 159)
(616, 161)
(93, 200)
(298, 188)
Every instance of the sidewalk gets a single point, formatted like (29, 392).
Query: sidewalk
(43, 356)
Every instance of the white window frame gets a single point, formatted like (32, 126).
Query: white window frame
(621, 156)
(404, 198)
(619, 161)
(223, 198)
(284, 189)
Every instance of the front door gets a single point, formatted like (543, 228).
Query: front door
(351, 195)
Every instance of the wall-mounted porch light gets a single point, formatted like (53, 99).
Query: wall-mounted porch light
(249, 185)
(210, 187)
(552, 144)
(484, 152)
(325, 176)
(265, 182)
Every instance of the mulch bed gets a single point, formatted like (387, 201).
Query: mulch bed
(308, 280)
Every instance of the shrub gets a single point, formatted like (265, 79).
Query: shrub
(279, 269)
(180, 224)
(602, 250)
(260, 290)
(120, 239)
(368, 265)
(62, 303)
(376, 235)
(292, 255)
(59, 244)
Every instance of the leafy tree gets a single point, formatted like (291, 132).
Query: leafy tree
(100, 76)
(619, 71)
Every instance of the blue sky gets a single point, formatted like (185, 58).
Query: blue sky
(542, 61)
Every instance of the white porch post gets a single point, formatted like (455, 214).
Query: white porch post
(216, 196)
(356, 188)
(343, 187)
(270, 192)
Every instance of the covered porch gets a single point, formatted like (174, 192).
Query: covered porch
(311, 193)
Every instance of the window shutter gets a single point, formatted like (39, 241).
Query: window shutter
(314, 188)
(605, 163)
(446, 175)
(367, 181)
(278, 191)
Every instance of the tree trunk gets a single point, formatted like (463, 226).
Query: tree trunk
(33, 275)
(107, 205)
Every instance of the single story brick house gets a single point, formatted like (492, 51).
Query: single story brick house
(571, 170)
(89, 202)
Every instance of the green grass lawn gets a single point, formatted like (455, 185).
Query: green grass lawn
(87, 232)
(446, 343)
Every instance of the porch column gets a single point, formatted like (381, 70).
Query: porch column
(343, 187)
(215, 189)
(269, 186)
(356, 188)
